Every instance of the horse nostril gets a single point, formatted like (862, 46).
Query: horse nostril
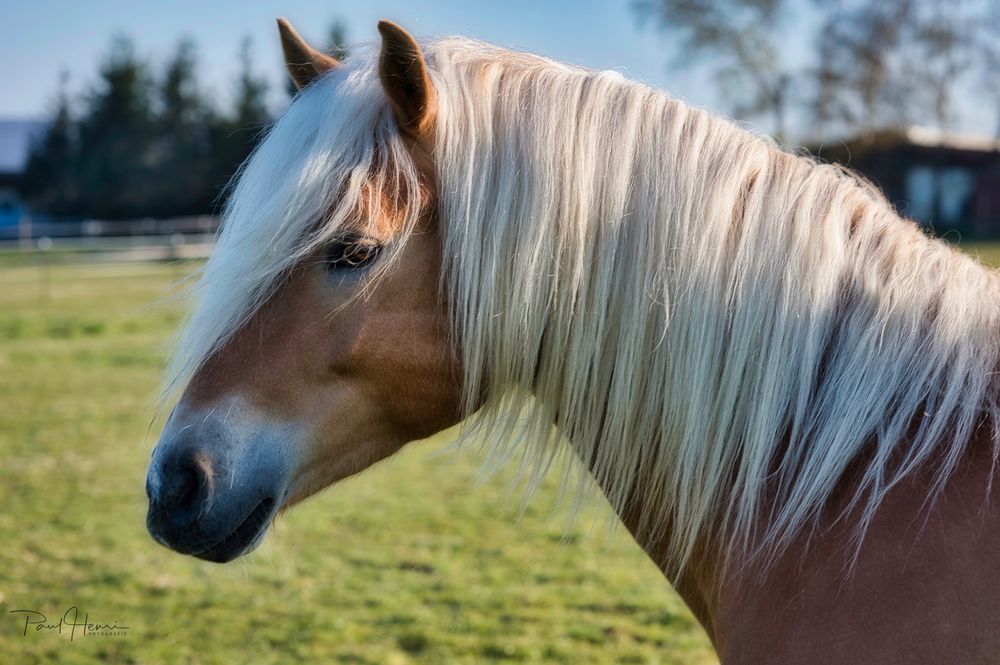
(185, 491)
(184, 486)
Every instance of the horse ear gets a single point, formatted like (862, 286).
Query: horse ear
(304, 63)
(404, 77)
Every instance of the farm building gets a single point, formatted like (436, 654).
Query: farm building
(16, 137)
(946, 182)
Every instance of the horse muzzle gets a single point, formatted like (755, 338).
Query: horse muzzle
(213, 489)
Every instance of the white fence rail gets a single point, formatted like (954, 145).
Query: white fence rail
(117, 240)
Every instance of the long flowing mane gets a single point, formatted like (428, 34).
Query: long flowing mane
(731, 325)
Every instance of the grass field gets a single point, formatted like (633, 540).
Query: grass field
(411, 562)
(987, 252)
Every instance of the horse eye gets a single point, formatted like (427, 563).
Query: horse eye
(351, 254)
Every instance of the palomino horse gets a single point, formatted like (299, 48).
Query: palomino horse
(787, 392)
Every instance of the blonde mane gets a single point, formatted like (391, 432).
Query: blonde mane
(719, 328)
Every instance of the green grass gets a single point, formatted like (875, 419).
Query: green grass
(987, 252)
(410, 562)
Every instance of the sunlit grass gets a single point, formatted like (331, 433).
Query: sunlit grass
(987, 252)
(411, 562)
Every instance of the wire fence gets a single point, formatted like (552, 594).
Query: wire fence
(60, 240)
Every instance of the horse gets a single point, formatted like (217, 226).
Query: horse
(787, 391)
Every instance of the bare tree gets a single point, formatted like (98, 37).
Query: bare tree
(890, 63)
(854, 84)
(989, 49)
(876, 63)
(742, 40)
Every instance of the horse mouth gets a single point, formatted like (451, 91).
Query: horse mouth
(244, 538)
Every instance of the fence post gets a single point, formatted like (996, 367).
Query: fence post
(24, 231)
(44, 245)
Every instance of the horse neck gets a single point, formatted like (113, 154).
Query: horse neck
(918, 527)
(697, 309)
(883, 274)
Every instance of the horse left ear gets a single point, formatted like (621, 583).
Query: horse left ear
(404, 78)
(305, 64)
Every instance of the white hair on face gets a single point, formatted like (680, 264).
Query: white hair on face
(304, 185)
(720, 329)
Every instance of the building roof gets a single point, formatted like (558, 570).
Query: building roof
(16, 137)
(935, 138)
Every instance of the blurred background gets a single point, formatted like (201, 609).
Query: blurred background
(121, 124)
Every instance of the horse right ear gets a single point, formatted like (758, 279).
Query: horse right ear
(403, 73)
(305, 64)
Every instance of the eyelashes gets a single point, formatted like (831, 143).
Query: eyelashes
(351, 253)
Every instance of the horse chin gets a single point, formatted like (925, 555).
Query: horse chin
(245, 538)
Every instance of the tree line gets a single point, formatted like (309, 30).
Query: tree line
(872, 64)
(146, 141)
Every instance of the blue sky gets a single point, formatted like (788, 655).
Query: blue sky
(40, 38)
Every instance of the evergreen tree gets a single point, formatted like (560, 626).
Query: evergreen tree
(184, 173)
(337, 44)
(143, 147)
(117, 138)
(251, 91)
(49, 181)
(235, 137)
